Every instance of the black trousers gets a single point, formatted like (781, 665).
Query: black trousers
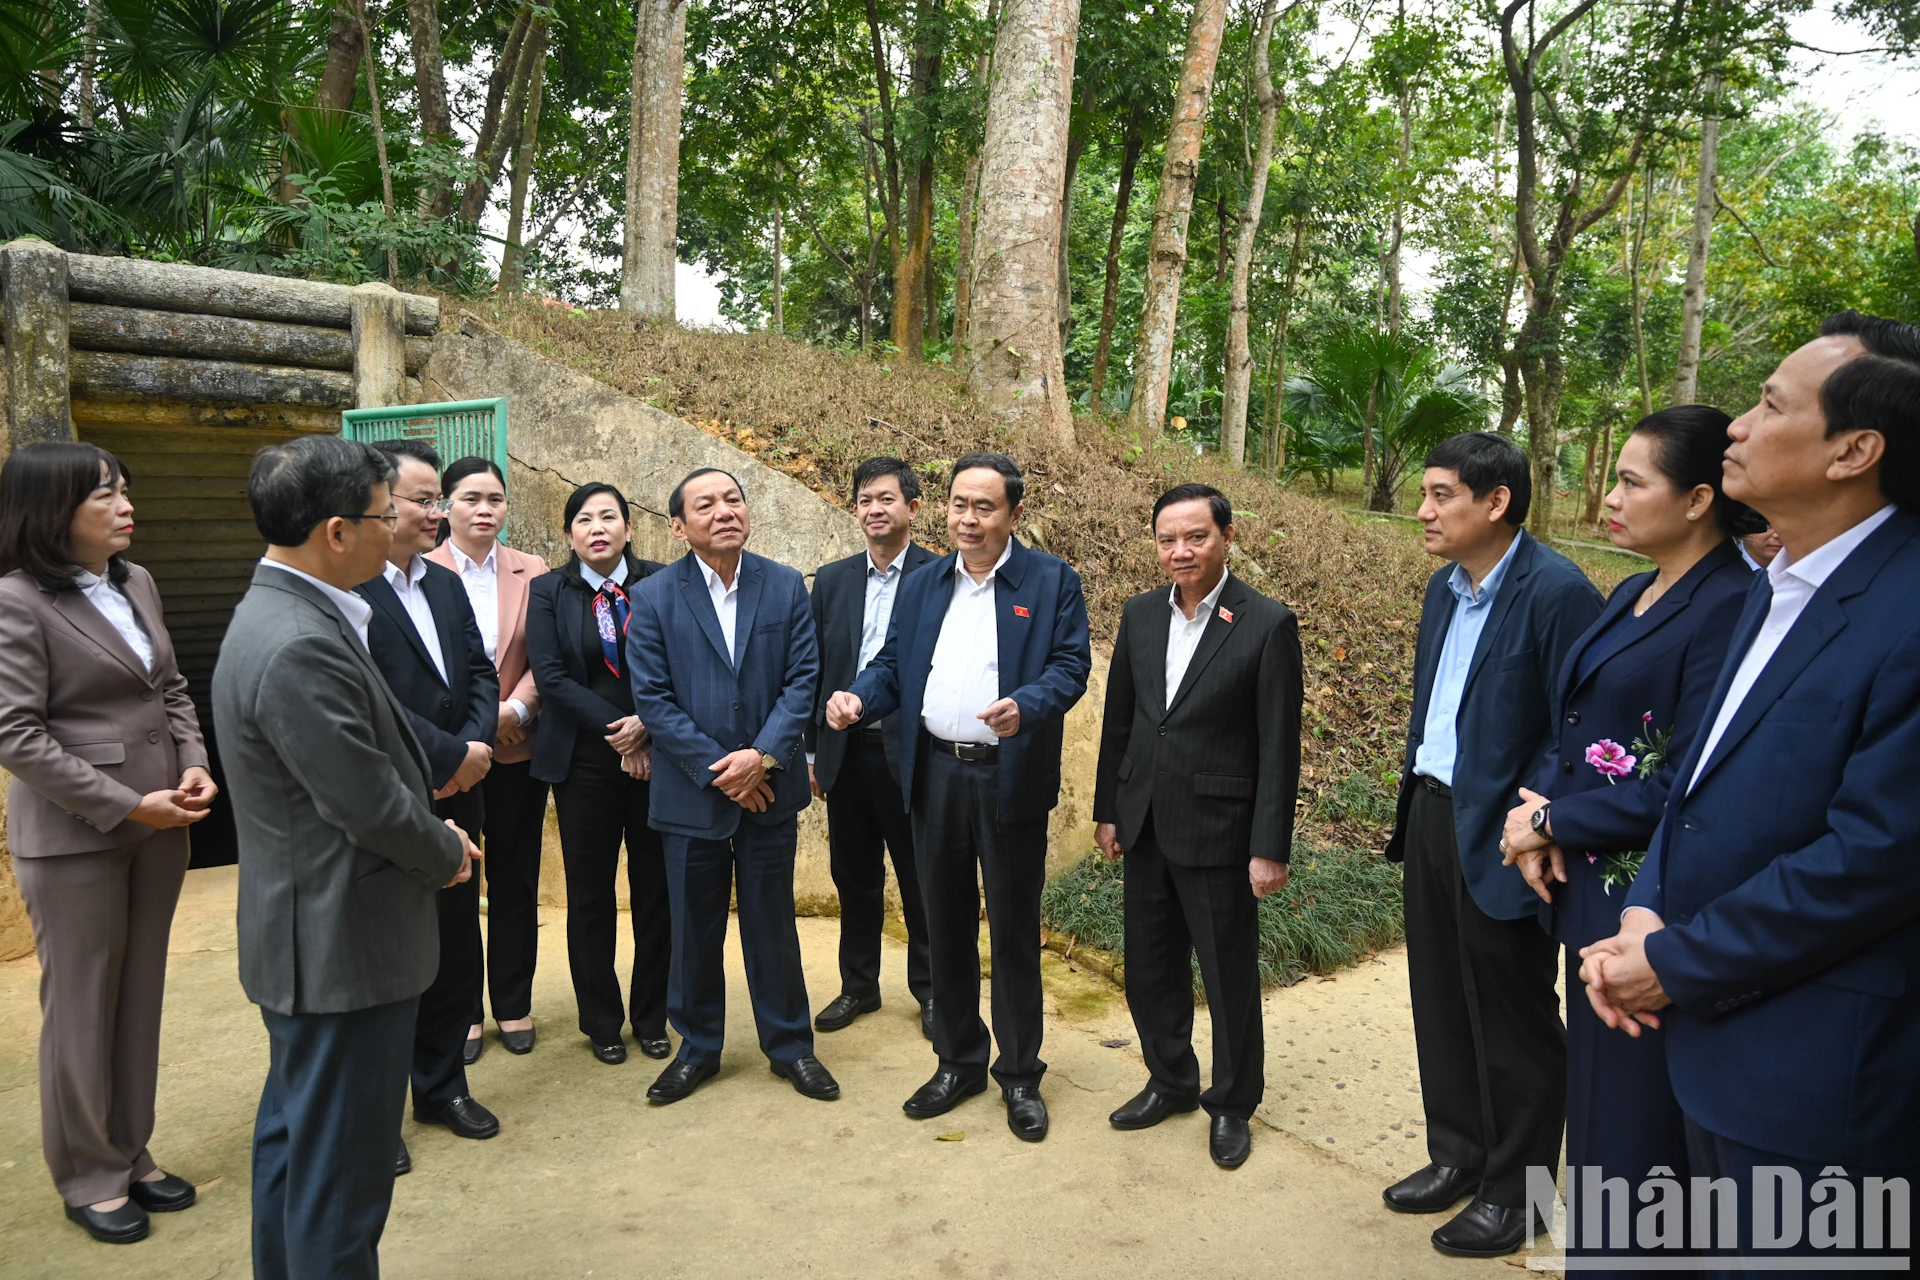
(956, 829)
(447, 1007)
(1175, 913)
(599, 807)
(516, 823)
(865, 823)
(323, 1140)
(1486, 1019)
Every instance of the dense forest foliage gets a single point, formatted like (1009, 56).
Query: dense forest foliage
(1313, 234)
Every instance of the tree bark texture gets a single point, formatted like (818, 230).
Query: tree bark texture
(1015, 368)
(653, 160)
(513, 258)
(1116, 239)
(1236, 387)
(969, 200)
(909, 286)
(341, 75)
(492, 150)
(1693, 300)
(379, 133)
(430, 87)
(1274, 456)
(1167, 255)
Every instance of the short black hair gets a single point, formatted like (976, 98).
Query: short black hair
(1880, 392)
(1485, 461)
(1689, 442)
(304, 482)
(677, 500)
(578, 499)
(461, 468)
(419, 450)
(1216, 503)
(879, 468)
(41, 486)
(1009, 470)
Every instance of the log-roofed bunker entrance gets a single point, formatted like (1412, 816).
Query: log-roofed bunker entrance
(183, 373)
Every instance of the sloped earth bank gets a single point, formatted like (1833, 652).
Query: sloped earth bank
(748, 1179)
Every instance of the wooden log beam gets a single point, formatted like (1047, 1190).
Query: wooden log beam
(172, 286)
(143, 331)
(107, 375)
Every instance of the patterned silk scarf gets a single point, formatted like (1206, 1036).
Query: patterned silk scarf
(610, 614)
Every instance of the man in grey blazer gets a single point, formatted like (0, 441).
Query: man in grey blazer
(340, 857)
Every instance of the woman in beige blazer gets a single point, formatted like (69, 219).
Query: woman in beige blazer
(496, 578)
(108, 771)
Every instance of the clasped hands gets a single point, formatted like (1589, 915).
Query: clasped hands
(179, 806)
(1003, 717)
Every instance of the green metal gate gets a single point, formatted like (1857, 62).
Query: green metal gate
(457, 429)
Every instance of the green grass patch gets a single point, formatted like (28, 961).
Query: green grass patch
(1339, 905)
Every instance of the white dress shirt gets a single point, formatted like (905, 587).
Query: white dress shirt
(406, 585)
(1183, 633)
(482, 582)
(726, 600)
(965, 678)
(595, 580)
(117, 610)
(1794, 583)
(356, 611)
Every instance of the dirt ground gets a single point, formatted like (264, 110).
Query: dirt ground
(749, 1179)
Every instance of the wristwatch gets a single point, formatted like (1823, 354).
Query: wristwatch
(769, 761)
(1540, 827)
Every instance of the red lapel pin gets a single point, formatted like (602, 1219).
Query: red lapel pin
(1020, 611)
(1226, 615)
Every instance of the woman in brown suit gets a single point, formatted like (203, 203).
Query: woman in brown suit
(108, 771)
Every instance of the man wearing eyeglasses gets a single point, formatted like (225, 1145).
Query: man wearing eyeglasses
(426, 642)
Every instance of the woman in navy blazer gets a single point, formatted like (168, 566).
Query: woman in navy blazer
(1634, 685)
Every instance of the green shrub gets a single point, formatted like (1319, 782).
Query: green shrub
(1339, 905)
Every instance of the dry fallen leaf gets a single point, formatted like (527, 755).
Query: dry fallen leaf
(1118, 1042)
(958, 1135)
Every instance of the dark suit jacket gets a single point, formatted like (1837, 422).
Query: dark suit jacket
(701, 702)
(444, 714)
(1666, 669)
(556, 652)
(1219, 769)
(1789, 879)
(1044, 661)
(839, 616)
(1503, 727)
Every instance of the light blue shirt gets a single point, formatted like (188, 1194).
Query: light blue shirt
(1439, 741)
(881, 588)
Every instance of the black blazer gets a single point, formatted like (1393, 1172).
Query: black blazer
(1665, 670)
(839, 615)
(1505, 726)
(445, 714)
(555, 640)
(1219, 769)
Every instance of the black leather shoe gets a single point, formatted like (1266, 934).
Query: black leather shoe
(165, 1194)
(926, 1019)
(680, 1079)
(470, 1051)
(1230, 1143)
(1026, 1113)
(112, 1226)
(403, 1163)
(1433, 1189)
(612, 1054)
(842, 1010)
(1483, 1230)
(1149, 1107)
(656, 1049)
(467, 1118)
(810, 1079)
(947, 1090)
(517, 1041)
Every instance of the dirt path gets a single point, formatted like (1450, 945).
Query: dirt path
(748, 1179)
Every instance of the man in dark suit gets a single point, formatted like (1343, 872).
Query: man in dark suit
(340, 857)
(424, 639)
(1774, 929)
(857, 771)
(723, 662)
(1199, 768)
(1494, 630)
(986, 653)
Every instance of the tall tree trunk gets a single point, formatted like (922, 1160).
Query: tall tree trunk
(1076, 148)
(1237, 386)
(890, 188)
(969, 201)
(379, 135)
(345, 45)
(513, 259)
(1636, 243)
(1275, 453)
(1116, 237)
(909, 289)
(506, 107)
(430, 88)
(1015, 369)
(1167, 257)
(651, 236)
(1693, 304)
(89, 59)
(779, 254)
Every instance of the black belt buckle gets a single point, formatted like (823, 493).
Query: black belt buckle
(1436, 786)
(971, 752)
(873, 735)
